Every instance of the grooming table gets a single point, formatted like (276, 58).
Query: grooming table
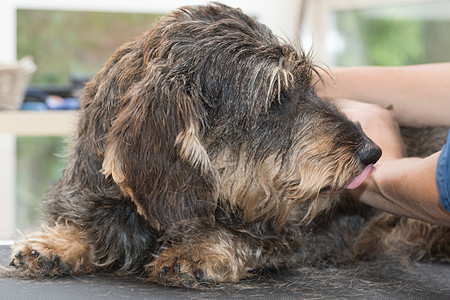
(362, 281)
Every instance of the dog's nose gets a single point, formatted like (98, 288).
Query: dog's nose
(370, 154)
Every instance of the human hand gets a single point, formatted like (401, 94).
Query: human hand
(379, 125)
(401, 186)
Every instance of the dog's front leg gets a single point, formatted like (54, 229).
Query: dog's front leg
(54, 251)
(212, 256)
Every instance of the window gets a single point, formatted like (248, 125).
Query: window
(377, 32)
(65, 43)
(397, 34)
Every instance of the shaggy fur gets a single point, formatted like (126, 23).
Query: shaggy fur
(202, 155)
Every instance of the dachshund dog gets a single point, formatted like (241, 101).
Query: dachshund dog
(203, 155)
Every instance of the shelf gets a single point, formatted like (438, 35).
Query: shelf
(38, 123)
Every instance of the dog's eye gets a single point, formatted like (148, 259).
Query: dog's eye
(325, 189)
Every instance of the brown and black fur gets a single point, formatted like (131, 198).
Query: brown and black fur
(202, 155)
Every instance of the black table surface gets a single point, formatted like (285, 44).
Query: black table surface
(359, 281)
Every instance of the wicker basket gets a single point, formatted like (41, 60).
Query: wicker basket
(13, 82)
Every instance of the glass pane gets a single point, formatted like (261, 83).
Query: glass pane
(393, 35)
(39, 166)
(69, 42)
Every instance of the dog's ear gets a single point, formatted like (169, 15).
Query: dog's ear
(153, 152)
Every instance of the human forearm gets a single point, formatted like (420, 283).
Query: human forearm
(402, 186)
(419, 95)
(405, 187)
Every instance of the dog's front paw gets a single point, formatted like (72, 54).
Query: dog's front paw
(179, 272)
(52, 252)
(34, 263)
(189, 266)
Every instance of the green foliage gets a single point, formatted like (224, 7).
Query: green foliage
(374, 40)
(393, 42)
(68, 42)
(39, 166)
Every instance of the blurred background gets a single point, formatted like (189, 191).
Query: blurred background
(69, 41)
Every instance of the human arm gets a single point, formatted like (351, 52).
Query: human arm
(405, 187)
(402, 186)
(419, 95)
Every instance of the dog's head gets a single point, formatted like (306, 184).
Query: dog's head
(210, 107)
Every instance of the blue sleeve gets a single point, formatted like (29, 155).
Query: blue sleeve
(442, 175)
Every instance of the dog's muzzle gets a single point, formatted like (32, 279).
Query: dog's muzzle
(369, 154)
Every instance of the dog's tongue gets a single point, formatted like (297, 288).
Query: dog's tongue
(361, 177)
